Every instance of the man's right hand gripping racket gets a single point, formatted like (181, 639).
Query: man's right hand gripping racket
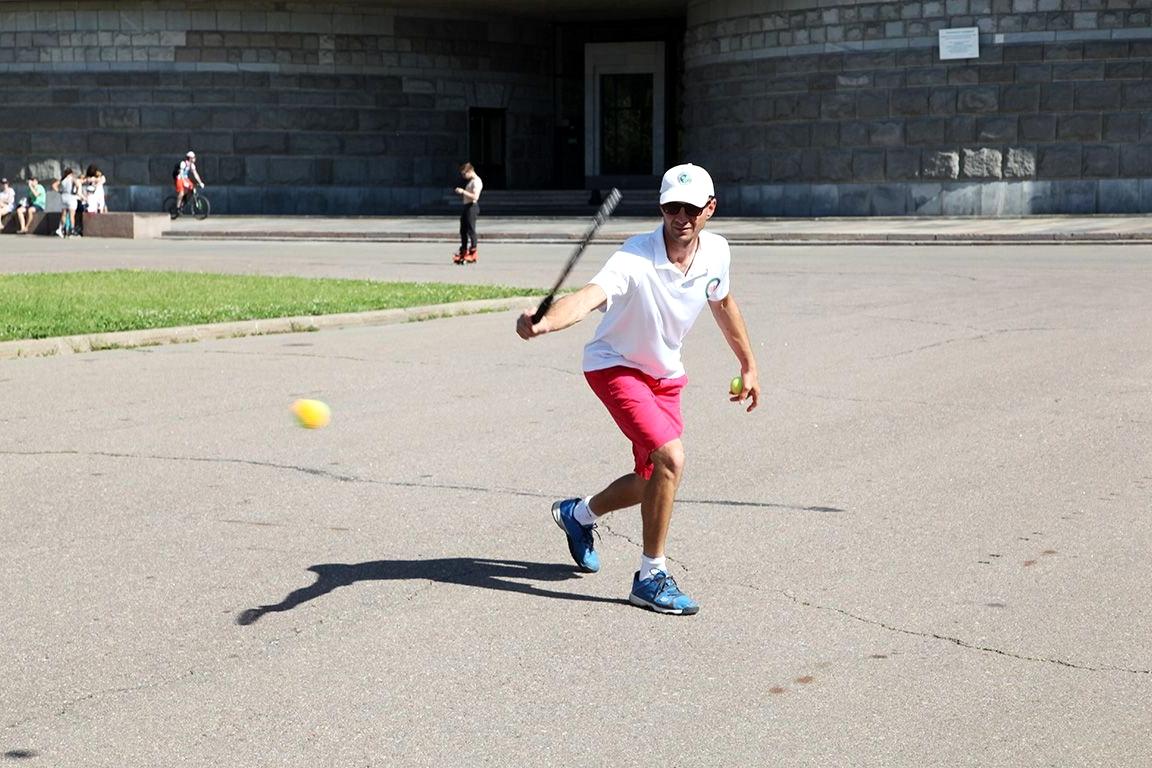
(602, 215)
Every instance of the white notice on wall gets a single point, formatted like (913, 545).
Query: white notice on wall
(960, 43)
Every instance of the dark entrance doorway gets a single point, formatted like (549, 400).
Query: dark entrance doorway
(626, 124)
(487, 144)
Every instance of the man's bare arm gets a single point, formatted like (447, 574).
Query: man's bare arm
(564, 312)
(731, 322)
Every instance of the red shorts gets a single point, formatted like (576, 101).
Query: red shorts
(647, 410)
(183, 185)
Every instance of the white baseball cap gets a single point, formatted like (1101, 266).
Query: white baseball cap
(687, 184)
(190, 154)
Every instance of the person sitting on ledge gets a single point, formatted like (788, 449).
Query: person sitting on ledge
(36, 200)
(7, 200)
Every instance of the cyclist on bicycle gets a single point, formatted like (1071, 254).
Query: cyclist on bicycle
(185, 173)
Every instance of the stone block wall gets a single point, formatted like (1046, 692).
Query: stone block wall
(291, 108)
(848, 109)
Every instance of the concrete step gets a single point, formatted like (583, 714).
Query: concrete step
(545, 202)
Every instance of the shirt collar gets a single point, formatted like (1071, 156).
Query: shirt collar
(660, 256)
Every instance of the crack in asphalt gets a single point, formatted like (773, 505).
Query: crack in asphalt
(964, 643)
(880, 400)
(945, 342)
(639, 546)
(68, 704)
(403, 483)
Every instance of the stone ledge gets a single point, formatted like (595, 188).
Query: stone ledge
(131, 226)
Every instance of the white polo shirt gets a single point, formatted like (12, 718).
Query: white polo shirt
(652, 305)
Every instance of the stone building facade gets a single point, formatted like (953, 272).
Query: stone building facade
(799, 107)
(817, 108)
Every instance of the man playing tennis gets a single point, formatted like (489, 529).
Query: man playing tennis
(651, 292)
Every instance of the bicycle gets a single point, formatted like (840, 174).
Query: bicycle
(195, 203)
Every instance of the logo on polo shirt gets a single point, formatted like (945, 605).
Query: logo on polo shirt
(712, 287)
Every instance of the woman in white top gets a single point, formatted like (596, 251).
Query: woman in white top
(69, 189)
(94, 190)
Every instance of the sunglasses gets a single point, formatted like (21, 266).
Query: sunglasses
(671, 209)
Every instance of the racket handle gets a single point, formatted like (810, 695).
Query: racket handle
(542, 309)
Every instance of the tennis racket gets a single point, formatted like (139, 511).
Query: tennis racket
(601, 216)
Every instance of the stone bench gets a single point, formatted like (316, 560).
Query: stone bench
(132, 226)
(43, 223)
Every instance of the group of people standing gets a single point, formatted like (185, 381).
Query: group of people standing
(78, 192)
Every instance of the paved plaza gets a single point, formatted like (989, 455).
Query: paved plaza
(928, 547)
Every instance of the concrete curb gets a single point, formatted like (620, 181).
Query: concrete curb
(768, 238)
(63, 345)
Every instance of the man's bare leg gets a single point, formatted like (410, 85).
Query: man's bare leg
(653, 587)
(623, 492)
(659, 494)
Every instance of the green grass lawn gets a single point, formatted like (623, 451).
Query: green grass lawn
(34, 306)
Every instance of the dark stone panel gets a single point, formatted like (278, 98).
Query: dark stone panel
(982, 99)
(910, 102)
(1057, 97)
(925, 131)
(1080, 70)
(1064, 52)
(1100, 162)
(1102, 97)
(837, 106)
(1136, 160)
(835, 165)
(1122, 128)
(963, 75)
(1038, 127)
(827, 134)
(934, 76)
(854, 134)
(1079, 127)
(1106, 49)
(260, 143)
(902, 164)
(942, 102)
(872, 104)
(1138, 95)
(886, 133)
(1020, 98)
(1034, 73)
(961, 129)
(1029, 52)
(1124, 70)
(1004, 73)
(996, 130)
(1058, 161)
(868, 165)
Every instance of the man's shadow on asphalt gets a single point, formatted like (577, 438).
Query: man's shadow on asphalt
(506, 575)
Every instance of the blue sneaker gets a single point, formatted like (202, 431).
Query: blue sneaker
(660, 593)
(579, 536)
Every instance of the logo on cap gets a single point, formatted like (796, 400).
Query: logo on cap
(684, 178)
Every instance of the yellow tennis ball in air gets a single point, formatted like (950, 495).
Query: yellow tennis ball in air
(737, 385)
(312, 414)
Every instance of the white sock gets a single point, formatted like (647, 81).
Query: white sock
(583, 513)
(649, 564)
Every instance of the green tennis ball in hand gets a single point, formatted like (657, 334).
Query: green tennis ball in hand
(737, 385)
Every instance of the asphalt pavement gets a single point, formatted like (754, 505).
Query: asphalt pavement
(928, 547)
